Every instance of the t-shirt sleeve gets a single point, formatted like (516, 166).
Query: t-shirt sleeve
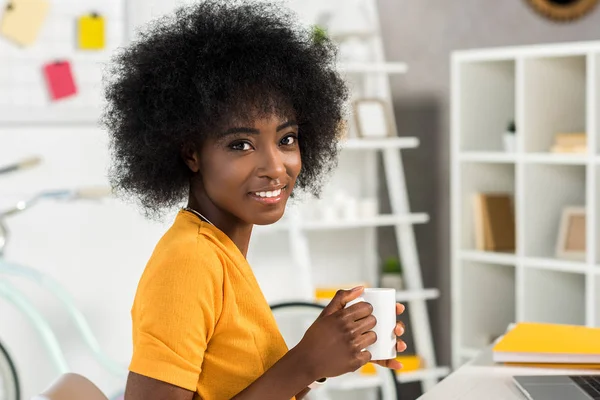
(178, 302)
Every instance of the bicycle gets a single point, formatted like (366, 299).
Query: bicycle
(9, 381)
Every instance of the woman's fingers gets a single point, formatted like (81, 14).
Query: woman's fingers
(367, 339)
(399, 330)
(400, 308)
(400, 345)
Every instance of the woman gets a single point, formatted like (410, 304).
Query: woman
(230, 106)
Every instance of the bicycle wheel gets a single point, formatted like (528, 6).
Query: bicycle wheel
(9, 383)
(294, 318)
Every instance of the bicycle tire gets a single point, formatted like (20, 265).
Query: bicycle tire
(9, 381)
(309, 305)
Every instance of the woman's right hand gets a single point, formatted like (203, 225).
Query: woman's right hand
(334, 343)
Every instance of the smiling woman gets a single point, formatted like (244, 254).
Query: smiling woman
(227, 106)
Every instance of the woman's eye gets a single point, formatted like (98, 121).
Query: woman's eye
(243, 146)
(288, 140)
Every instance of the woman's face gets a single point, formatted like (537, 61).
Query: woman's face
(249, 172)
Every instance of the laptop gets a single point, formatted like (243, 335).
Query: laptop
(559, 387)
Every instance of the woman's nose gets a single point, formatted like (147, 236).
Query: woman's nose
(272, 163)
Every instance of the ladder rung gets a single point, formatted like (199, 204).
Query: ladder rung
(423, 294)
(421, 374)
(407, 142)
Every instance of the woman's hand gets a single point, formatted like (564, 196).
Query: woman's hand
(400, 345)
(333, 344)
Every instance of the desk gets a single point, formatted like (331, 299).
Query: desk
(481, 379)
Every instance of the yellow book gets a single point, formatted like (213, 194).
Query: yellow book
(409, 363)
(530, 342)
(557, 366)
(91, 32)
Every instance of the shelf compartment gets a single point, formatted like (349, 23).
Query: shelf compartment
(547, 190)
(481, 178)
(553, 296)
(554, 100)
(487, 302)
(487, 104)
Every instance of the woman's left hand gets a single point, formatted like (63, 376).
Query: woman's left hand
(400, 345)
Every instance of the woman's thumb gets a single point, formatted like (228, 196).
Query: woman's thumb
(341, 298)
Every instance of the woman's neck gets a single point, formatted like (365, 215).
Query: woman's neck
(239, 232)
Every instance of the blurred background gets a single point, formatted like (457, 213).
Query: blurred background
(472, 148)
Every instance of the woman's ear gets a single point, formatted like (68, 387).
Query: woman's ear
(191, 158)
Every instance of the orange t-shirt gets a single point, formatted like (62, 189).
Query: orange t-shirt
(200, 320)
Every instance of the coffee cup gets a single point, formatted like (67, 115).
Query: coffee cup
(383, 301)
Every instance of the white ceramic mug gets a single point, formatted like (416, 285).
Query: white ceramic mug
(383, 301)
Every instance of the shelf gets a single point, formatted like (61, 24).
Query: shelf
(487, 157)
(554, 99)
(425, 294)
(555, 265)
(554, 297)
(354, 381)
(487, 303)
(376, 221)
(489, 257)
(362, 68)
(404, 295)
(383, 143)
(552, 158)
(486, 92)
(422, 374)
(380, 220)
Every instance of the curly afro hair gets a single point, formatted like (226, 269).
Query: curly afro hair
(208, 65)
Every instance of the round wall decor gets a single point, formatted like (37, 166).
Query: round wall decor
(563, 10)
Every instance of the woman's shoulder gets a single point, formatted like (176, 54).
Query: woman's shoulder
(185, 247)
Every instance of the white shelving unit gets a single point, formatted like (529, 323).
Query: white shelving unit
(545, 89)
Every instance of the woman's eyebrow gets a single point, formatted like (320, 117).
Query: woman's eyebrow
(241, 129)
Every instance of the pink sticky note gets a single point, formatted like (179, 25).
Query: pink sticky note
(60, 79)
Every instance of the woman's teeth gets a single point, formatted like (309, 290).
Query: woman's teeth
(274, 193)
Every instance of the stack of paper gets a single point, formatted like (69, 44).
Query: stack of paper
(550, 345)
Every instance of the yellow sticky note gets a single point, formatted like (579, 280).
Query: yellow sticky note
(91, 32)
(23, 19)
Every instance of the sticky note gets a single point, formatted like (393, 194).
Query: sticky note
(23, 19)
(59, 79)
(91, 32)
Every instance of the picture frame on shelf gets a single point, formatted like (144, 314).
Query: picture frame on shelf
(373, 118)
(571, 242)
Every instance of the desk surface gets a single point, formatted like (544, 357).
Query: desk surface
(481, 378)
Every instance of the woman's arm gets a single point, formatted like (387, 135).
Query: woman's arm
(331, 346)
(140, 387)
(288, 377)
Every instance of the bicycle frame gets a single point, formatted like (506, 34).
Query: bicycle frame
(13, 295)
(16, 297)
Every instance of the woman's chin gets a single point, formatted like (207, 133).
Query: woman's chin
(268, 218)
